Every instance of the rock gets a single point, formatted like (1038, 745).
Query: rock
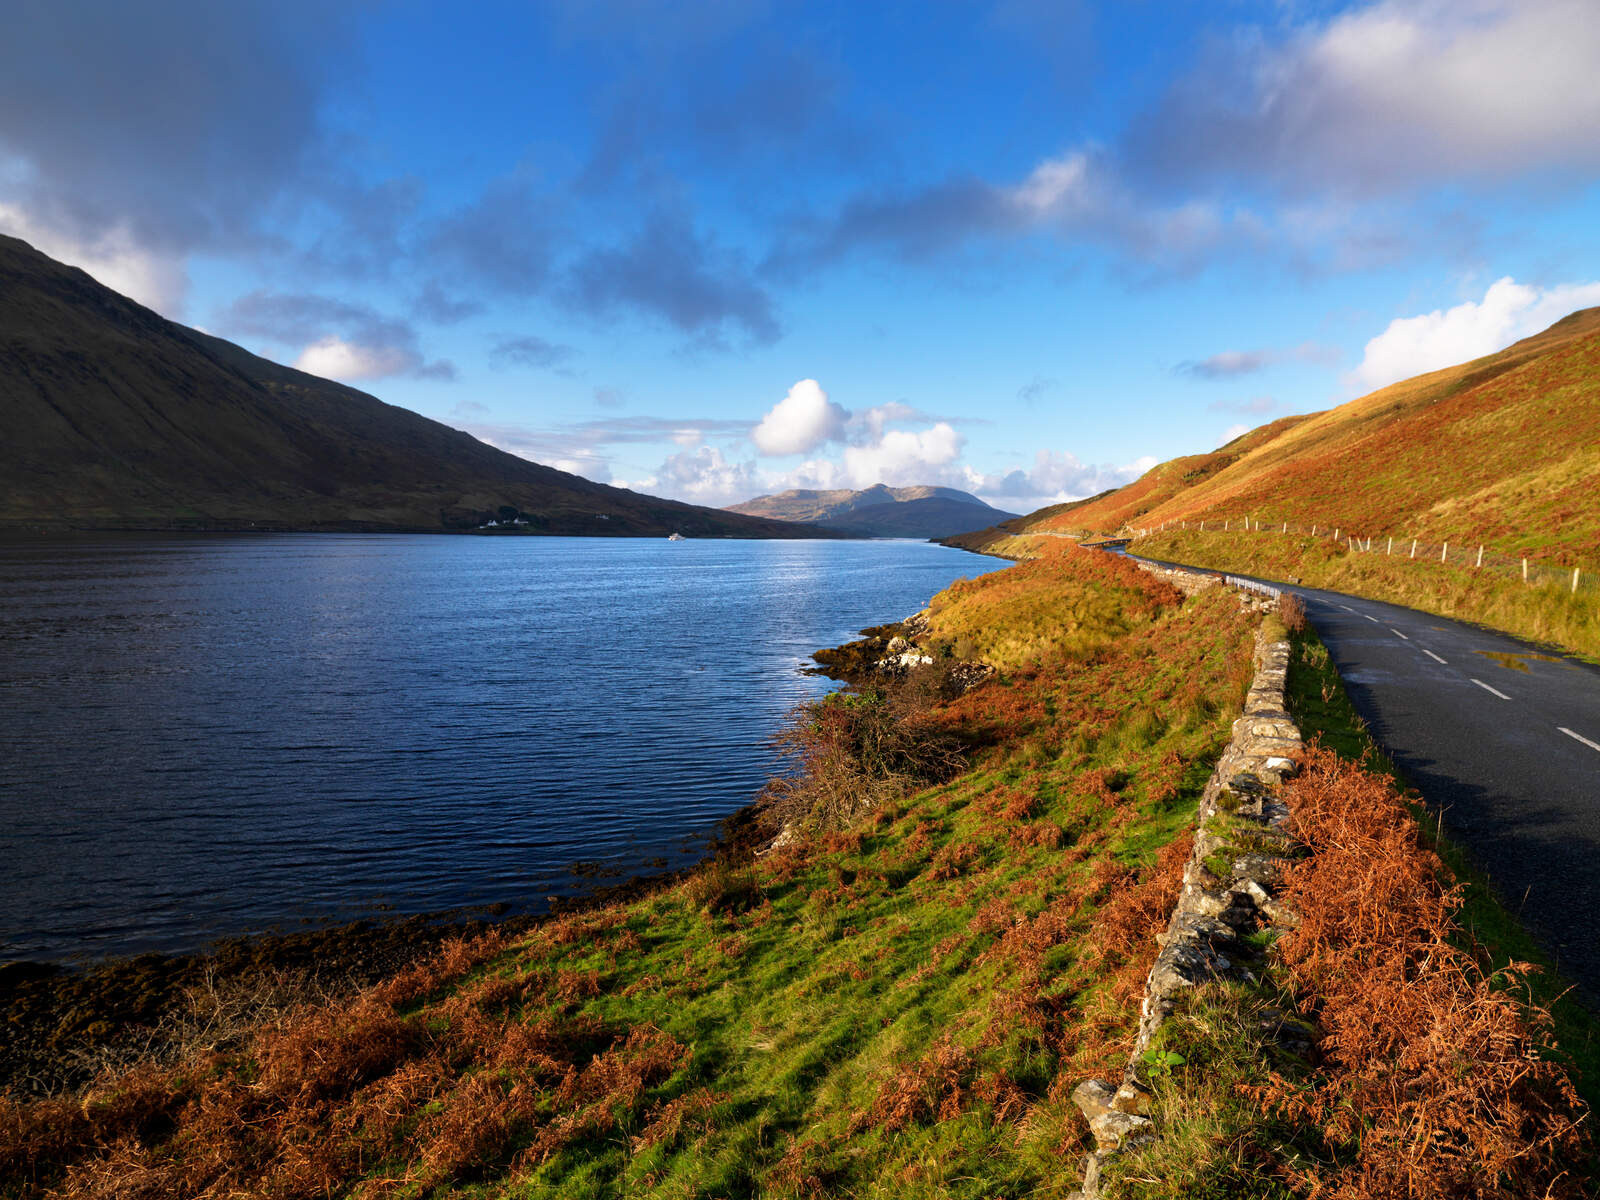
(898, 645)
(1120, 1131)
(1132, 1097)
(1093, 1098)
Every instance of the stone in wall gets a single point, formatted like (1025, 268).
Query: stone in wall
(1230, 887)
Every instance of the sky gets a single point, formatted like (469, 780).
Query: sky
(713, 249)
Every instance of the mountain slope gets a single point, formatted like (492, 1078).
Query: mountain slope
(115, 417)
(1503, 450)
(879, 511)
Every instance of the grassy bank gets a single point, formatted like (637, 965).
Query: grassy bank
(1545, 612)
(896, 1007)
(896, 1002)
(1406, 1039)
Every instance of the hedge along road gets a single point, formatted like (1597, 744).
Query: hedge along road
(1502, 737)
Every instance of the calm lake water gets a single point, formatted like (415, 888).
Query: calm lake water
(209, 736)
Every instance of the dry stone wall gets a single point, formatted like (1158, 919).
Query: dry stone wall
(1230, 887)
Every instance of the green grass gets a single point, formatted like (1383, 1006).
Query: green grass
(896, 1009)
(1548, 613)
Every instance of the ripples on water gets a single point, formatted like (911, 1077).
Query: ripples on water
(202, 737)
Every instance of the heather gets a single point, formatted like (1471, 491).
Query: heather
(1501, 451)
(1404, 1041)
(896, 1002)
(898, 999)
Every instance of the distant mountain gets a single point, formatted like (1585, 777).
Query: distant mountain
(879, 511)
(112, 417)
(1502, 451)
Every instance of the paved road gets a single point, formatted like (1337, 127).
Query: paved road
(1502, 737)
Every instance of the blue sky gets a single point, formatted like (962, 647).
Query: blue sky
(714, 249)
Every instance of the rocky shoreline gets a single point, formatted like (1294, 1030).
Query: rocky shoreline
(888, 653)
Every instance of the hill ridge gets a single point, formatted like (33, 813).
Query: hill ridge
(118, 418)
(922, 510)
(1502, 450)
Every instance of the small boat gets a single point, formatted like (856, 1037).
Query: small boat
(676, 537)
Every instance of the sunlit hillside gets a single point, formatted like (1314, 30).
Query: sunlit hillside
(1503, 450)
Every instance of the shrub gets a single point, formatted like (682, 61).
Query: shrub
(1292, 612)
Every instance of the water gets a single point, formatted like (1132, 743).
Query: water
(203, 737)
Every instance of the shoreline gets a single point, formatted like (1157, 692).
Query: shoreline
(64, 1021)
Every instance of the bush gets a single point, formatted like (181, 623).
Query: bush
(1292, 612)
(857, 750)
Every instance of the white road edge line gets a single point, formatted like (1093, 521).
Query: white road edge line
(1433, 656)
(1398, 634)
(1487, 688)
(1580, 737)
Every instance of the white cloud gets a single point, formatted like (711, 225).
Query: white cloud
(335, 358)
(113, 258)
(800, 422)
(1056, 477)
(1508, 311)
(702, 476)
(901, 458)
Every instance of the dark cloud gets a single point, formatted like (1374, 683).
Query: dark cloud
(503, 240)
(762, 111)
(529, 350)
(1230, 364)
(915, 224)
(1030, 392)
(365, 342)
(668, 271)
(436, 305)
(183, 122)
(1226, 365)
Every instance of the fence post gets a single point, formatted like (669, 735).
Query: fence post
(1524, 570)
(1574, 581)
(1480, 557)
(1444, 550)
(1227, 524)
(1286, 527)
(1313, 531)
(1413, 547)
(1336, 533)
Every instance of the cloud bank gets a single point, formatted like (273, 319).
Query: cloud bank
(1508, 312)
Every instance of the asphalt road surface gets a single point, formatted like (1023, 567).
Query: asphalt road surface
(1501, 736)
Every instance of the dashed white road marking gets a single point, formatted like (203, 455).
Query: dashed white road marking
(1487, 688)
(1347, 608)
(1373, 619)
(1433, 656)
(1580, 737)
(1398, 634)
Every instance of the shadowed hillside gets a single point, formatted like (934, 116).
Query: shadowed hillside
(116, 418)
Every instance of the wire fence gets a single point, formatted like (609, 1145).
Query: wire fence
(1470, 555)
